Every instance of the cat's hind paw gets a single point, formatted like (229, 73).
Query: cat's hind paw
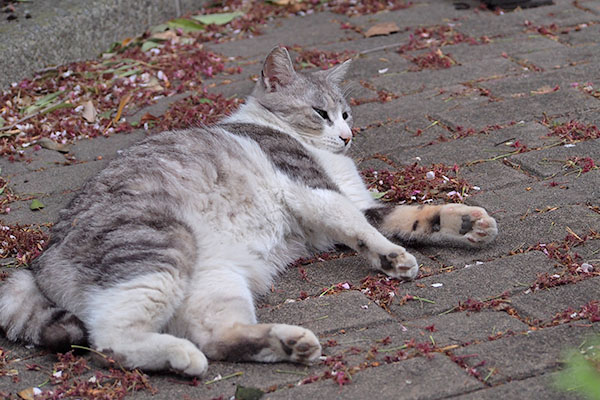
(471, 224)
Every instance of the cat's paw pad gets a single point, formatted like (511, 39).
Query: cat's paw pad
(187, 359)
(473, 224)
(297, 344)
(478, 227)
(399, 264)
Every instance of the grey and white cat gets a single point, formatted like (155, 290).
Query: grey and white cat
(160, 257)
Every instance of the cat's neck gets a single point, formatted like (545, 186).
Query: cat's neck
(252, 112)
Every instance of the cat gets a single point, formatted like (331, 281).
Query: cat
(159, 259)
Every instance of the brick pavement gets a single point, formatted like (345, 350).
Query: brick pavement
(475, 324)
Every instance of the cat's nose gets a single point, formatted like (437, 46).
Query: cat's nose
(346, 139)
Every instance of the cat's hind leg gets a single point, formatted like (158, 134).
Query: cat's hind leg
(218, 316)
(125, 322)
(452, 223)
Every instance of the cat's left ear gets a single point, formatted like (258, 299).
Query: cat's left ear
(278, 69)
(336, 75)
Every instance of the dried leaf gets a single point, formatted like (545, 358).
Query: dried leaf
(166, 35)
(281, 2)
(122, 105)
(89, 112)
(382, 29)
(545, 89)
(217, 19)
(49, 144)
(28, 394)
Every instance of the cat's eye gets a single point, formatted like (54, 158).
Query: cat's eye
(322, 113)
(345, 115)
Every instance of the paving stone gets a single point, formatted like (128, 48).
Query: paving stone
(527, 198)
(33, 161)
(551, 162)
(479, 282)
(514, 45)
(56, 180)
(417, 378)
(530, 354)
(20, 213)
(315, 28)
(493, 175)
(518, 109)
(544, 304)
(313, 279)
(566, 57)
(490, 24)
(459, 328)
(107, 148)
(538, 387)
(430, 79)
(320, 315)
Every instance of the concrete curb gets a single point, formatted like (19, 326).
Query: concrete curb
(72, 30)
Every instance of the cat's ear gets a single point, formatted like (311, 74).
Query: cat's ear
(278, 69)
(336, 75)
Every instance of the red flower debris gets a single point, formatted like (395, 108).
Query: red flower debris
(498, 303)
(87, 99)
(553, 30)
(572, 131)
(68, 381)
(562, 252)
(462, 363)
(23, 242)
(589, 311)
(320, 58)
(433, 59)
(416, 183)
(520, 147)
(5, 359)
(381, 289)
(581, 165)
(201, 108)
(381, 96)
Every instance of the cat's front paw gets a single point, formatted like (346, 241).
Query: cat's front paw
(399, 265)
(472, 224)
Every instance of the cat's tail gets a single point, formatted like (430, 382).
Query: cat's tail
(27, 315)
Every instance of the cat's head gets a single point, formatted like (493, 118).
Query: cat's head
(312, 104)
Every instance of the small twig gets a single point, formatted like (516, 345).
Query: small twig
(393, 349)
(374, 49)
(448, 311)
(239, 373)
(423, 299)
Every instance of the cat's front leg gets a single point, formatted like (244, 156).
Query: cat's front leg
(451, 223)
(327, 212)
